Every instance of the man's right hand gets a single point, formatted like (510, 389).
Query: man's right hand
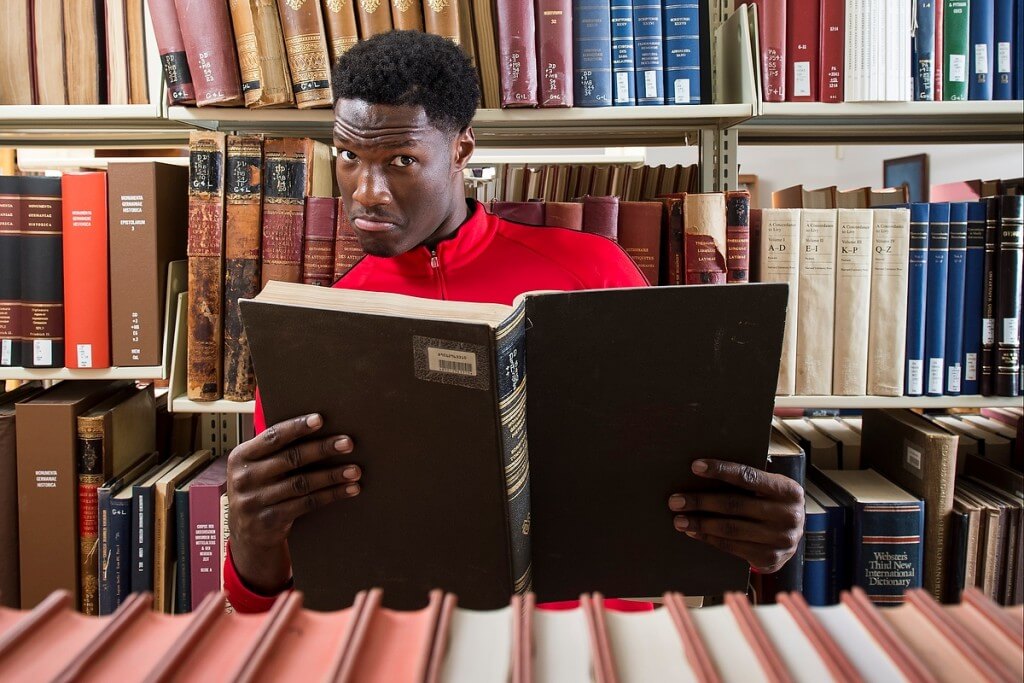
(267, 494)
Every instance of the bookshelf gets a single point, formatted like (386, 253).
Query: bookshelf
(924, 402)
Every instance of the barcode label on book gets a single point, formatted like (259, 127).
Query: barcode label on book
(914, 385)
(953, 379)
(622, 87)
(911, 458)
(1003, 53)
(42, 351)
(1010, 331)
(981, 58)
(988, 331)
(85, 355)
(5, 351)
(971, 367)
(455, 362)
(802, 79)
(935, 375)
(451, 362)
(682, 90)
(650, 84)
(958, 68)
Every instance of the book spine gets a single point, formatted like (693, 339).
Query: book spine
(204, 541)
(648, 48)
(205, 265)
(10, 274)
(341, 25)
(981, 49)
(213, 62)
(853, 51)
(816, 560)
(705, 239)
(374, 17)
(261, 53)
(917, 299)
(935, 310)
(347, 250)
(141, 564)
(955, 297)
(790, 577)
(554, 53)
(182, 572)
(1009, 271)
(601, 216)
(887, 336)
(956, 33)
(106, 588)
(682, 52)
(973, 276)
(924, 43)
(623, 53)
(90, 478)
(510, 370)
(1018, 49)
(940, 49)
(171, 47)
(737, 236)
(285, 168)
(803, 35)
(42, 275)
(831, 87)
(815, 332)
(672, 245)
(852, 302)
(121, 550)
(318, 241)
(248, 52)
(987, 374)
(888, 550)
(780, 262)
(242, 229)
(1002, 86)
(592, 53)
(771, 21)
(442, 19)
(406, 15)
(305, 43)
(517, 44)
(86, 279)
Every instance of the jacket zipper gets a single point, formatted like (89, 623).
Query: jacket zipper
(435, 263)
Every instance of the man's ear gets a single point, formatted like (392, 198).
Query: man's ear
(465, 145)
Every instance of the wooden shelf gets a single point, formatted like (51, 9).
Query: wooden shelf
(100, 125)
(865, 402)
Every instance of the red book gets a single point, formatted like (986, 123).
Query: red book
(204, 529)
(737, 236)
(318, 242)
(833, 50)
(517, 47)
(771, 26)
(554, 52)
(802, 27)
(347, 250)
(86, 278)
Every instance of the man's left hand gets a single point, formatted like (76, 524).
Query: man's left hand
(764, 529)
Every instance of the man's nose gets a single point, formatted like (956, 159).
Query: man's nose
(372, 188)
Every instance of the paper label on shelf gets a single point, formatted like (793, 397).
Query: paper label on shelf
(911, 458)
(971, 367)
(42, 351)
(953, 379)
(5, 351)
(84, 355)
(682, 91)
(988, 331)
(1010, 331)
(981, 58)
(935, 375)
(914, 386)
(622, 87)
(802, 79)
(958, 68)
(1004, 58)
(650, 84)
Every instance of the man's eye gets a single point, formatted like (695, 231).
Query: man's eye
(347, 155)
(403, 161)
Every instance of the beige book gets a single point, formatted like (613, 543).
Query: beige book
(48, 39)
(82, 50)
(16, 53)
(116, 39)
(780, 262)
(853, 298)
(965, 444)
(225, 534)
(138, 78)
(816, 307)
(973, 510)
(992, 446)
(406, 15)
(822, 451)
(266, 81)
(887, 334)
(846, 438)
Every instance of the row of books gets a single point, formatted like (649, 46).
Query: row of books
(925, 301)
(84, 263)
(69, 52)
(897, 50)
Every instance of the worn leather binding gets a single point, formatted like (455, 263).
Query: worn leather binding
(305, 42)
(601, 216)
(527, 213)
(172, 52)
(554, 53)
(406, 15)
(564, 215)
(212, 60)
(639, 234)
(704, 239)
(205, 264)
(261, 55)
(441, 17)
(347, 250)
(518, 53)
(374, 17)
(737, 236)
(242, 232)
(318, 243)
(342, 27)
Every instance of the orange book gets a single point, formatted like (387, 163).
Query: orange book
(86, 280)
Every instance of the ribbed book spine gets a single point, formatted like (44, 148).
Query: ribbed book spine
(305, 42)
(1010, 243)
(955, 41)
(261, 53)
(341, 25)
(854, 233)
(318, 241)
(42, 274)
(285, 186)
(887, 336)
(1002, 86)
(623, 53)
(935, 312)
(974, 272)
(213, 61)
(648, 46)
(982, 49)
(347, 250)
(90, 478)
(737, 236)
(592, 53)
(682, 52)
(955, 297)
(987, 376)
(924, 44)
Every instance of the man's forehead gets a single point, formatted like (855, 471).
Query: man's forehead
(358, 119)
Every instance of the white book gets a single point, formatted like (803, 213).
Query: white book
(780, 262)
(646, 647)
(727, 647)
(851, 54)
(816, 309)
(479, 646)
(887, 335)
(863, 651)
(797, 652)
(561, 647)
(853, 298)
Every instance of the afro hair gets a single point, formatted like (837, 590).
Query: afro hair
(415, 69)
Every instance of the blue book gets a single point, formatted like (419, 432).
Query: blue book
(119, 569)
(592, 53)
(917, 288)
(955, 297)
(682, 52)
(816, 555)
(649, 45)
(981, 48)
(974, 274)
(935, 309)
(1002, 87)
(623, 56)
(924, 49)
(838, 575)
(183, 568)
(142, 514)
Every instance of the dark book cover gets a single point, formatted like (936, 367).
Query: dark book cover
(11, 235)
(517, 52)
(42, 274)
(787, 458)
(672, 272)
(682, 52)
(649, 51)
(955, 301)
(592, 53)
(974, 276)
(837, 549)
(737, 236)
(987, 372)
(318, 241)
(935, 310)
(141, 543)
(623, 53)
(183, 562)
(1009, 271)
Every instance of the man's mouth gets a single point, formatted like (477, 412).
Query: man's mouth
(372, 224)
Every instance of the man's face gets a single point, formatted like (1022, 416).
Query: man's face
(397, 174)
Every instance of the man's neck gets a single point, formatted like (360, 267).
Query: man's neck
(456, 217)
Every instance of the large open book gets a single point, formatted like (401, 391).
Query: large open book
(474, 484)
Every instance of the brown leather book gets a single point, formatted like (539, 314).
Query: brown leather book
(737, 236)
(266, 81)
(212, 60)
(517, 46)
(441, 17)
(342, 26)
(318, 241)
(206, 265)
(47, 438)
(673, 272)
(374, 17)
(243, 193)
(406, 15)
(564, 215)
(305, 41)
(639, 234)
(293, 169)
(527, 213)
(48, 47)
(171, 46)
(138, 78)
(601, 216)
(486, 31)
(554, 53)
(147, 213)
(83, 52)
(16, 75)
(467, 39)
(347, 250)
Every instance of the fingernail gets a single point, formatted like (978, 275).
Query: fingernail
(699, 466)
(676, 502)
(352, 489)
(343, 444)
(351, 472)
(691, 534)
(681, 523)
(314, 421)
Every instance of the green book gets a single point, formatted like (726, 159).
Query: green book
(955, 38)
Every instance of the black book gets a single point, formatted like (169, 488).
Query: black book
(787, 458)
(1009, 271)
(626, 388)
(987, 376)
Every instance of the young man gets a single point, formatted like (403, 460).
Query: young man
(405, 101)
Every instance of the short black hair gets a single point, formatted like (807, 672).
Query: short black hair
(411, 68)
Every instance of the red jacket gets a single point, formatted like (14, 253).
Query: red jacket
(489, 260)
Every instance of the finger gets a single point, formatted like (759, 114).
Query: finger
(277, 436)
(750, 478)
(294, 508)
(761, 557)
(295, 455)
(304, 483)
(735, 529)
(734, 505)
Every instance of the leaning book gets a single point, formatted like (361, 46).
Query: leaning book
(472, 484)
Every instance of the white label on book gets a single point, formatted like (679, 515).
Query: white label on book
(911, 458)
(1010, 331)
(953, 379)
(971, 367)
(454, 362)
(1003, 58)
(802, 79)
(451, 362)
(622, 87)
(682, 90)
(958, 68)
(42, 351)
(980, 58)
(935, 375)
(5, 351)
(914, 385)
(650, 84)
(988, 331)
(84, 355)
(46, 479)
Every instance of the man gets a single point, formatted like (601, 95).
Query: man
(405, 101)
